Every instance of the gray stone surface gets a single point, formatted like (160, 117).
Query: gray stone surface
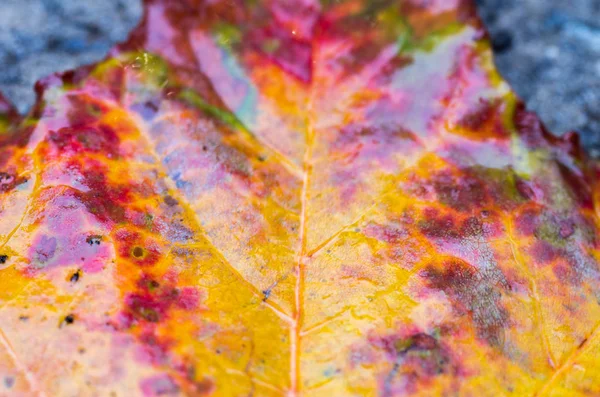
(549, 50)
(553, 61)
(39, 37)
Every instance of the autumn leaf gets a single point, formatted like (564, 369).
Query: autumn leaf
(282, 197)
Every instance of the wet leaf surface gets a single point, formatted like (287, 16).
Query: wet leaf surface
(295, 198)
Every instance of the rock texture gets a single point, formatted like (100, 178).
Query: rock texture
(549, 51)
(39, 37)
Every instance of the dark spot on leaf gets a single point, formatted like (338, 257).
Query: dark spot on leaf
(93, 239)
(479, 117)
(266, 294)
(68, 320)
(3, 259)
(85, 138)
(7, 182)
(462, 193)
(138, 252)
(23, 318)
(170, 201)
(149, 314)
(436, 225)
(145, 251)
(417, 358)
(472, 293)
(153, 301)
(144, 308)
(415, 342)
(75, 276)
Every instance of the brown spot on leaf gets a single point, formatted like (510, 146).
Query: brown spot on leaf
(461, 193)
(483, 113)
(138, 252)
(7, 182)
(418, 357)
(471, 294)
(142, 250)
(153, 301)
(170, 201)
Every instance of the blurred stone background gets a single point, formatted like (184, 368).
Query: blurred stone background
(40, 37)
(549, 50)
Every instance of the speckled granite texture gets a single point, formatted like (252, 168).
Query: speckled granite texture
(549, 50)
(39, 37)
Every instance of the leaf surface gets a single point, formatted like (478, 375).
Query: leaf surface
(295, 198)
